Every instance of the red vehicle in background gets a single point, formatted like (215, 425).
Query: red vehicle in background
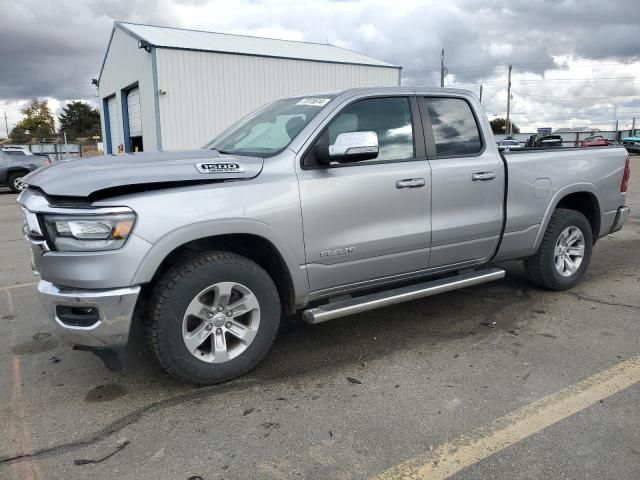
(595, 141)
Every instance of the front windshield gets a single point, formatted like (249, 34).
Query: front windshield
(270, 129)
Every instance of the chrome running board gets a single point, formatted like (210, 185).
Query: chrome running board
(372, 301)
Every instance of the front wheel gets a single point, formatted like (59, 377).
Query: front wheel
(214, 318)
(565, 251)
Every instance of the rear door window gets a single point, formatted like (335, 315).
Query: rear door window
(455, 130)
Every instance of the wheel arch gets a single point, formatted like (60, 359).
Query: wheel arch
(581, 197)
(258, 243)
(18, 169)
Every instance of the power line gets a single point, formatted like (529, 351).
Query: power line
(12, 108)
(551, 80)
(577, 98)
(537, 64)
(574, 113)
(587, 79)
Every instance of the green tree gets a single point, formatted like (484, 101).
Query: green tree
(36, 123)
(79, 119)
(499, 126)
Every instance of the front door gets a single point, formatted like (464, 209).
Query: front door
(468, 184)
(370, 219)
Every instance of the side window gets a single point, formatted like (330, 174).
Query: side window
(389, 117)
(455, 130)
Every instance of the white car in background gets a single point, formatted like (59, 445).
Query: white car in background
(508, 144)
(17, 151)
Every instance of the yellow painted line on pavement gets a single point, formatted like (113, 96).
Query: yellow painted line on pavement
(28, 469)
(469, 448)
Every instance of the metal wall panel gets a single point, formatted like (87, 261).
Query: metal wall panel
(133, 109)
(126, 65)
(206, 92)
(114, 127)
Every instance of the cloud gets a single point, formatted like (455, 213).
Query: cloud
(53, 49)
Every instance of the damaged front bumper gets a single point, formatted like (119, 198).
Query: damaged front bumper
(91, 318)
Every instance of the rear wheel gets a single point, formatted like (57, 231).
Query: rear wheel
(214, 317)
(565, 252)
(15, 182)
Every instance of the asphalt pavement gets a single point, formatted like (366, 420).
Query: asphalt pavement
(501, 381)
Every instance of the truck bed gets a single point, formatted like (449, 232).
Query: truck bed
(537, 179)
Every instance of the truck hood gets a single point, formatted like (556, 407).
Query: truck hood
(99, 177)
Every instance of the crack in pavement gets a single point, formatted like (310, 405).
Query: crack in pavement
(118, 449)
(587, 298)
(127, 420)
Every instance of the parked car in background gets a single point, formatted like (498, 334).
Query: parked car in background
(17, 150)
(632, 144)
(15, 166)
(329, 204)
(544, 141)
(508, 144)
(595, 141)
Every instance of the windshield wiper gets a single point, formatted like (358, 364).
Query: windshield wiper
(224, 152)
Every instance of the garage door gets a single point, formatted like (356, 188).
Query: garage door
(113, 124)
(133, 107)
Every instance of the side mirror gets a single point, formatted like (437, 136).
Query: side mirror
(349, 147)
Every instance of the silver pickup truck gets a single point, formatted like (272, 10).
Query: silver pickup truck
(327, 204)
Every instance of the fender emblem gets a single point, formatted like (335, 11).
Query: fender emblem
(219, 167)
(337, 251)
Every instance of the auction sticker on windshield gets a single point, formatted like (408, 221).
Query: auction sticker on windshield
(314, 102)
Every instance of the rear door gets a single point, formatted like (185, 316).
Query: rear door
(468, 183)
(367, 220)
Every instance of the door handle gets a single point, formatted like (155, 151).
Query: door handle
(483, 176)
(411, 183)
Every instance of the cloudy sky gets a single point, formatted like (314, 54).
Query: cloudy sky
(574, 62)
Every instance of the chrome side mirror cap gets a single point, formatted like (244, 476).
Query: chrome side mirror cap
(350, 147)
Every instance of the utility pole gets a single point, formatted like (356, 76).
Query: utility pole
(480, 93)
(633, 127)
(442, 69)
(6, 125)
(508, 123)
(66, 145)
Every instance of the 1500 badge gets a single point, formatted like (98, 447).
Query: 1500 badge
(219, 167)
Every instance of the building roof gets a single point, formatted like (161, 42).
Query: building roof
(179, 38)
(576, 130)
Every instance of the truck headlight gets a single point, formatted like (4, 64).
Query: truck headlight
(78, 233)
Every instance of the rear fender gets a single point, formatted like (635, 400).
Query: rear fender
(555, 200)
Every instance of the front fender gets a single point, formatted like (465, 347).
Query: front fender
(207, 229)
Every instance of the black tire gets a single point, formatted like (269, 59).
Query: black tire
(541, 268)
(12, 181)
(182, 283)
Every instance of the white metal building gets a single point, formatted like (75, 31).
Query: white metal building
(167, 88)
